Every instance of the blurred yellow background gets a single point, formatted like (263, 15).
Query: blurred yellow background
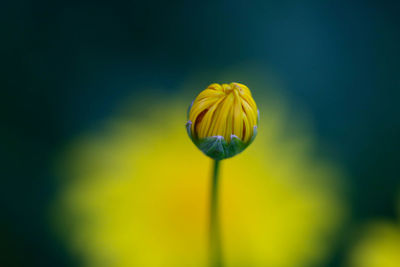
(377, 244)
(137, 194)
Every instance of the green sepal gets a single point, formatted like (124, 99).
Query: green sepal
(236, 146)
(189, 130)
(216, 147)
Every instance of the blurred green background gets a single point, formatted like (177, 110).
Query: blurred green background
(67, 66)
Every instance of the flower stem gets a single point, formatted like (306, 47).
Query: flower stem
(215, 238)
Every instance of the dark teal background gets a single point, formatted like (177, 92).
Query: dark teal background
(66, 65)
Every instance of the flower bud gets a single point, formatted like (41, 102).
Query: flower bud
(223, 120)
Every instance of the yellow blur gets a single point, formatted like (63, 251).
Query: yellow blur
(379, 245)
(137, 194)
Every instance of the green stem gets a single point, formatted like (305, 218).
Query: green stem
(215, 238)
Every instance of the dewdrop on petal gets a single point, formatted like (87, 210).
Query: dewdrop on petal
(223, 120)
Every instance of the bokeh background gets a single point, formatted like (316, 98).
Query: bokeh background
(96, 164)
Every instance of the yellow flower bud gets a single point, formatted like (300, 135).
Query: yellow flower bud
(223, 120)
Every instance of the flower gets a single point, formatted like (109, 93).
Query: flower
(223, 120)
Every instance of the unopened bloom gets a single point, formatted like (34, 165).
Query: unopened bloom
(223, 120)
